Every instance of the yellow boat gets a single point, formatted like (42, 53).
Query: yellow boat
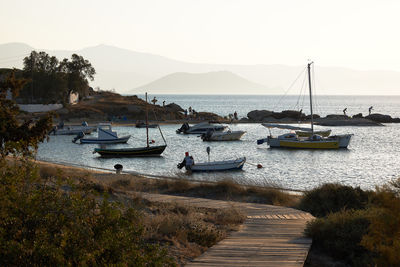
(306, 139)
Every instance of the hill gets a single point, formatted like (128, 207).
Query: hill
(206, 83)
(123, 70)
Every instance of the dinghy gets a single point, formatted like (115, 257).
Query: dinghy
(223, 165)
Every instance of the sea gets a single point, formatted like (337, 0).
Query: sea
(372, 159)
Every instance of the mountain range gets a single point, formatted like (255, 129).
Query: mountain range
(132, 72)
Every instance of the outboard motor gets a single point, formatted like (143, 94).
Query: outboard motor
(78, 137)
(60, 125)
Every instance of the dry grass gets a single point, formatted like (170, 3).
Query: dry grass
(186, 231)
(222, 190)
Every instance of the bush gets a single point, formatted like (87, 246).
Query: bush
(340, 234)
(50, 222)
(330, 198)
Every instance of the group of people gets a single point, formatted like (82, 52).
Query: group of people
(190, 112)
(369, 110)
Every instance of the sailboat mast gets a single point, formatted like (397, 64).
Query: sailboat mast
(147, 124)
(309, 86)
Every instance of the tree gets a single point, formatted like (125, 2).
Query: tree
(15, 137)
(52, 81)
(79, 71)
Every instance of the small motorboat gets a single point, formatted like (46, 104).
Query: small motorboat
(214, 166)
(222, 136)
(105, 136)
(131, 152)
(200, 128)
(62, 129)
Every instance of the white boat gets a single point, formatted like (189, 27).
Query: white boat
(222, 136)
(200, 128)
(105, 136)
(224, 165)
(300, 131)
(62, 129)
(314, 141)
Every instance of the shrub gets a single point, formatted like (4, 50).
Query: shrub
(383, 237)
(330, 198)
(43, 224)
(340, 234)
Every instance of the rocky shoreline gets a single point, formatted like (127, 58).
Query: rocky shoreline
(109, 106)
(293, 116)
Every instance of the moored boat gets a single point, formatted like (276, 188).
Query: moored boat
(105, 136)
(131, 152)
(214, 166)
(135, 151)
(314, 141)
(222, 136)
(200, 128)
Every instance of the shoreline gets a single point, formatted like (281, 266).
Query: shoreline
(97, 170)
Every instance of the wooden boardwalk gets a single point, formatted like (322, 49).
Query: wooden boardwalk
(270, 236)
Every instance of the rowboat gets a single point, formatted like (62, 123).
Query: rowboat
(223, 136)
(214, 166)
(131, 152)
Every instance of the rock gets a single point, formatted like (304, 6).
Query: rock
(293, 114)
(315, 116)
(337, 117)
(359, 115)
(174, 107)
(380, 118)
(346, 122)
(259, 115)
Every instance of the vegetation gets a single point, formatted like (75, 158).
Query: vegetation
(359, 227)
(223, 190)
(329, 198)
(52, 81)
(54, 218)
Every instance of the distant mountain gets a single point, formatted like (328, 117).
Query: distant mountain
(206, 83)
(124, 70)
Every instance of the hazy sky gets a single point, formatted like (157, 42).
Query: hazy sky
(361, 34)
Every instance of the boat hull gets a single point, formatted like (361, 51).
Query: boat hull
(216, 166)
(225, 136)
(131, 152)
(332, 142)
(119, 140)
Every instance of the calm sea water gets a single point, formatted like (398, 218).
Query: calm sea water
(372, 158)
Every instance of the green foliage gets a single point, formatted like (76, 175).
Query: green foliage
(54, 222)
(339, 235)
(18, 138)
(51, 80)
(330, 198)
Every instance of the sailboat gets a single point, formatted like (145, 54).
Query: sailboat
(313, 141)
(135, 151)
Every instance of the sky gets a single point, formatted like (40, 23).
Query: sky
(359, 34)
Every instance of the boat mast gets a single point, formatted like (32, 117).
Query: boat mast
(309, 86)
(147, 124)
